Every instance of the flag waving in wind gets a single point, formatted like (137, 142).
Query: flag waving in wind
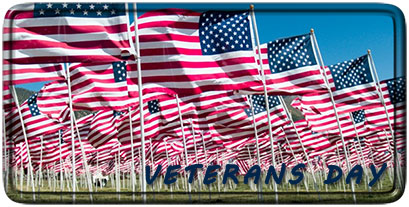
(65, 32)
(352, 86)
(291, 67)
(186, 52)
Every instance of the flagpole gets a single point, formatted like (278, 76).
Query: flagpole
(380, 94)
(270, 133)
(314, 40)
(30, 166)
(260, 189)
(72, 132)
(84, 158)
(184, 140)
(196, 156)
(360, 147)
(142, 126)
(41, 163)
(61, 165)
(5, 154)
(133, 176)
(167, 157)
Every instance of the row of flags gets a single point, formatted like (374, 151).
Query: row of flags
(207, 62)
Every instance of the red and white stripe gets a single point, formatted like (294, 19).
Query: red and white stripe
(172, 60)
(61, 39)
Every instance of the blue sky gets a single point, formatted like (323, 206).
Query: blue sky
(340, 35)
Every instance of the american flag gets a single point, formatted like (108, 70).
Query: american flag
(352, 86)
(100, 86)
(103, 127)
(35, 123)
(52, 100)
(314, 143)
(160, 115)
(291, 67)
(238, 124)
(8, 102)
(14, 74)
(50, 149)
(187, 52)
(394, 94)
(65, 32)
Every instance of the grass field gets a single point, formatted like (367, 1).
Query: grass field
(383, 192)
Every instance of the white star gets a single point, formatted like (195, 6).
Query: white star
(85, 12)
(79, 6)
(99, 13)
(105, 7)
(49, 5)
(72, 11)
(57, 11)
(41, 12)
(112, 12)
(64, 5)
(91, 6)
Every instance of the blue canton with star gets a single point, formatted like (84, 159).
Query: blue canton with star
(60, 134)
(153, 106)
(93, 10)
(117, 113)
(221, 32)
(351, 73)
(259, 104)
(290, 53)
(32, 105)
(119, 71)
(397, 89)
(359, 116)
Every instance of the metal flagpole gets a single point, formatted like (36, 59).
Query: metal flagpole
(270, 133)
(133, 176)
(84, 158)
(184, 141)
(41, 163)
(5, 161)
(360, 148)
(30, 166)
(314, 40)
(197, 159)
(142, 126)
(61, 165)
(380, 93)
(167, 157)
(74, 185)
(260, 189)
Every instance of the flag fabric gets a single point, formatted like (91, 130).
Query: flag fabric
(291, 67)
(65, 32)
(352, 86)
(328, 124)
(186, 52)
(394, 94)
(14, 74)
(238, 124)
(35, 123)
(103, 127)
(52, 100)
(8, 101)
(100, 86)
(160, 115)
